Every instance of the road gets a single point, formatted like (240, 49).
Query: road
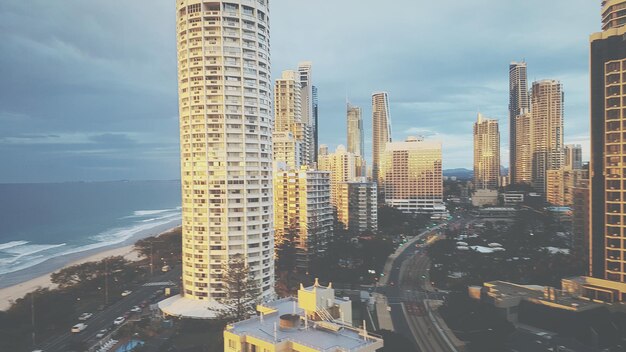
(407, 286)
(104, 319)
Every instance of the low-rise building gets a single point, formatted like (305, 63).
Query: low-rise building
(314, 322)
(512, 198)
(484, 197)
(595, 289)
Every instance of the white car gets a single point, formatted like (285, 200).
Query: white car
(126, 293)
(101, 333)
(85, 316)
(119, 321)
(136, 309)
(80, 327)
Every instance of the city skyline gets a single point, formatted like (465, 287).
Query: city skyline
(122, 87)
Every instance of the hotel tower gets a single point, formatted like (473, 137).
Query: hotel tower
(225, 142)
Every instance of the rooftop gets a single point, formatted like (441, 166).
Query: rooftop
(318, 335)
(538, 294)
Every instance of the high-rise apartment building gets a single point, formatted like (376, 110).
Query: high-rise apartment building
(356, 140)
(608, 127)
(573, 157)
(523, 149)
(226, 158)
(486, 153)
(412, 176)
(302, 209)
(323, 150)
(288, 119)
(341, 166)
(518, 105)
(560, 186)
(305, 70)
(361, 198)
(381, 127)
(547, 130)
(316, 111)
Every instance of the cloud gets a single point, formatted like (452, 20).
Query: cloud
(102, 75)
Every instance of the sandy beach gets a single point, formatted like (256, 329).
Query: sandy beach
(10, 294)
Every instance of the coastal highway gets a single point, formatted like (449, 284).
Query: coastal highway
(104, 319)
(407, 286)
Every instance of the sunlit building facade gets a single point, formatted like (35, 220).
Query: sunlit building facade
(547, 131)
(302, 206)
(524, 149)
(412, 176)
(573, 157)
(360, 197)
(341, 166)
(486, 153)
(225, 140)
(356, 140)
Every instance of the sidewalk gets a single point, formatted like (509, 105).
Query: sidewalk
(383, 315)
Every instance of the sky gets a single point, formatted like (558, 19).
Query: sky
(88, 89)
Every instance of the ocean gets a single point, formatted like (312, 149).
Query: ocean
(43, 227)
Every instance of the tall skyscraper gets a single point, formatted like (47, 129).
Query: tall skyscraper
(305, 69)
(547, 130)
(486, 153)
(226, 157)
(356, 138)
(523, 144)
(381, 127)
(412, 176)
(518, 105)
(607, 247)
(573, 157)
(302, 205)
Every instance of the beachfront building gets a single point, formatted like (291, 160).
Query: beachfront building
(225, 143)
(302, 209)
(412, 176)
(315, 321)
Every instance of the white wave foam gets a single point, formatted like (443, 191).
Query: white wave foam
(23, 251)
(151, 212)
(12, 244)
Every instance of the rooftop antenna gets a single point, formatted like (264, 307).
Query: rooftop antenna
(364, 331)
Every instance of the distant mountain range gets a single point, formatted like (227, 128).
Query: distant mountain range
(459, 173)
(462, 173)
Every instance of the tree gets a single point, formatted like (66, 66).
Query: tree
(90, 274)
(241, 288)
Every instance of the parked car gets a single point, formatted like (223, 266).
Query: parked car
(101, 333)
(126, 293)
(119, 321)
(85, 316)
(80, 327)
(165, 268)
(136, 309)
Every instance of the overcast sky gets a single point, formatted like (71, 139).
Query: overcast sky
(88, 89)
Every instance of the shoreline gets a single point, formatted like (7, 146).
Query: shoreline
(18, 290)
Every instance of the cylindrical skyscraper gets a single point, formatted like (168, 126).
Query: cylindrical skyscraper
(225, 141)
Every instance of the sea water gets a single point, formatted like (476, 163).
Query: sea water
(45, 226)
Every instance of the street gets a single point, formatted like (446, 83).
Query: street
(407, 288)
(104, 319)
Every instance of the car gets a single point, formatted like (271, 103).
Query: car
(85, 316)
(119, 321)
(78, 328)
(136, 309)
(165, 268)
(101, 333)
(126, 293)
